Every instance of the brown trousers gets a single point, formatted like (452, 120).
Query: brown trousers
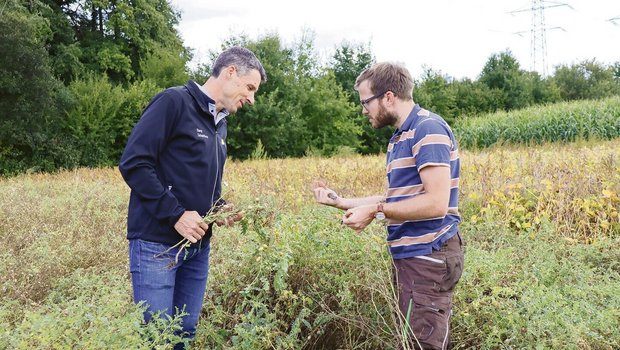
(425, 285)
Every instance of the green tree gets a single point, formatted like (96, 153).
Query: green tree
(116, 37)
(64, 50)
(112, 54)
(586, 80)
(542, 90)
(474, 98)
(601, 80)
(300, 107)
(348, 61)
(328, 125)
(165, 68)
(30, 96)
(267, 120)
(571, 81)
(436, 93)
(615, 68)
(503, 73)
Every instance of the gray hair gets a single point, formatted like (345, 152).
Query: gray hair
(243, 59)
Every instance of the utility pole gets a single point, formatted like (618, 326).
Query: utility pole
(538, 33)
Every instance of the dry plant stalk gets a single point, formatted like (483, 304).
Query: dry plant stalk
(215, 214)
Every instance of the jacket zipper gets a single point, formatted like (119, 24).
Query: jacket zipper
(217, 164)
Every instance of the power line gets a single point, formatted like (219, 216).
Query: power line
(538, 33)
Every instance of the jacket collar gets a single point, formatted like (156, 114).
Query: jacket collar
(206, 103)
(200, 97)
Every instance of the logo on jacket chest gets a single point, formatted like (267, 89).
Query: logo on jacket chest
(201, 134)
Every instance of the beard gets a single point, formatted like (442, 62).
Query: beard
(384, 118)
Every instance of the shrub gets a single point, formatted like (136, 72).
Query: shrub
(103, 115)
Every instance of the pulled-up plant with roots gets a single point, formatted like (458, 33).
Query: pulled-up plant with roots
(221, 215)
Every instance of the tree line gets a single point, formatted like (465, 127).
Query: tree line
(75, 75)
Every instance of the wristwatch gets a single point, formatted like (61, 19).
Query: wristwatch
(380, 215)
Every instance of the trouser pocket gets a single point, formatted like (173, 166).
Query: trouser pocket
(454, 270)
(134, 256)
(429, 319)
(454, 260)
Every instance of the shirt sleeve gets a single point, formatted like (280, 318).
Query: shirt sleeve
(138, 164)
(432, 144)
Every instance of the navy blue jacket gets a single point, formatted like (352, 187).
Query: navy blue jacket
(173, 162)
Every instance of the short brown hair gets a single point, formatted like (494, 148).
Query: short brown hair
(387, 76)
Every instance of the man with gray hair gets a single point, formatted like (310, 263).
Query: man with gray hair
(173, 163)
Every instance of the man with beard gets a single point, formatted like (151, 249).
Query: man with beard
(420, 205)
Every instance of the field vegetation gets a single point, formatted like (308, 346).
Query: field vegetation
(542, 260)
(540, 218)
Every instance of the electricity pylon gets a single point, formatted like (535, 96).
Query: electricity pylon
(538, 33)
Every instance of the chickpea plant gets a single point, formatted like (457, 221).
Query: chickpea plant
(219, 214)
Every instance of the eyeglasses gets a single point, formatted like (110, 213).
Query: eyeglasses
(366, 101)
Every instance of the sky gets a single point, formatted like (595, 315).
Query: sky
(454, 37)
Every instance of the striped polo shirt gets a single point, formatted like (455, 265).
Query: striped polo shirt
(424, 139)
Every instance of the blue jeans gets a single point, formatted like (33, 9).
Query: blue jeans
(167, 286)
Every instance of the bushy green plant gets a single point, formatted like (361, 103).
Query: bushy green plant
(534, 292)
(291, 283)
(165, 67)
(103, 115)
(290, 276)
(259, 151)
(91, 310)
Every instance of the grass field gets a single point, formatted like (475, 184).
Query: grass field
(542, 260)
